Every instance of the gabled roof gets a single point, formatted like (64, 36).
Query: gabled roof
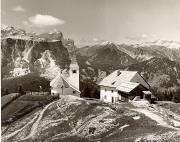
(60, 81)
(127, 87)
(118, 77)
(68, 84)
(57, 82)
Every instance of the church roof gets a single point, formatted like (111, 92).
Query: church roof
(57, 82)
(68, 84)
(74, 62)
(74, 65)
(60, 81)
(118, 77)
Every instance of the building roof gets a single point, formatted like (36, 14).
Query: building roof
(74, 66)
(118, 77)
(60, 81)
(127, 87)
(57, 82)
(74, 63)
(68, 84)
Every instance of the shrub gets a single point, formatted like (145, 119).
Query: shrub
(90, 89)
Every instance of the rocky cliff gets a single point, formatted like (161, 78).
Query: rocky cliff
(45, 54)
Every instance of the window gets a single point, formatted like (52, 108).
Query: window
(112, 99)
(74, 92)
(105, 89)
(74, 71)
(112, 91)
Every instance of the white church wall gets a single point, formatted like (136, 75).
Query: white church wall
(65, 91)
(74, 75)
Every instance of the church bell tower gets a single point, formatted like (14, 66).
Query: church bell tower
(74, 73)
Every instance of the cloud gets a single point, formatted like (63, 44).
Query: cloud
(144, 36)
(141, 37)
(26, 23)
(19, 8)
(95, 39)
(43, 20)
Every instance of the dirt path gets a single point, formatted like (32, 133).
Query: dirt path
(35, 125)
(156, 117)
(19, 130)
(36, 120)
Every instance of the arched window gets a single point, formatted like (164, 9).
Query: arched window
(74, 71)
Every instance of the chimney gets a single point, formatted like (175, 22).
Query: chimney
(118, 72)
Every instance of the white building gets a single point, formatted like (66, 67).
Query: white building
(122, 86)
(66, 83)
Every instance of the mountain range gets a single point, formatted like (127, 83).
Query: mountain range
(46, 54)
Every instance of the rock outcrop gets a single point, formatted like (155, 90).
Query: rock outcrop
(23, 52)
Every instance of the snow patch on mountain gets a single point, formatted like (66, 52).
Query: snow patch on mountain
(106, 43)
(164, 43)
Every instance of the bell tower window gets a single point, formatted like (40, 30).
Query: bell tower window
(74, 71)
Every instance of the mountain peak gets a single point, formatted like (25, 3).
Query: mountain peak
(164, 43)
(11, 32)
(107, 43)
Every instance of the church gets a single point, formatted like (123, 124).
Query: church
(67, 81)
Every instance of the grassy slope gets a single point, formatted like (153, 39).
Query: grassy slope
(75, 119)
(29, 82)
(7, 98)
(22, 106)
(174, 107)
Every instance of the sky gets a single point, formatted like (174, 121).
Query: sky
(87, 21)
